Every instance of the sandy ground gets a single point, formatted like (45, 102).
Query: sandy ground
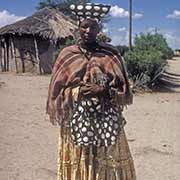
(28, 143)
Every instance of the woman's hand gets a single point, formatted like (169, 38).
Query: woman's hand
(92, 90)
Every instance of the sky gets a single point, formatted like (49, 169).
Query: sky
(162, 15)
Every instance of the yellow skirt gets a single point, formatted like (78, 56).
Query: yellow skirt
(94, 163)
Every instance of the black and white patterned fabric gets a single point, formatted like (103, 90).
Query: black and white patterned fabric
(92, 124)
(90, 10)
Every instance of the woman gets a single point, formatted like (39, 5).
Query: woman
(87, 93)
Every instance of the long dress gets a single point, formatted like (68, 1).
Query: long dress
(113, 162)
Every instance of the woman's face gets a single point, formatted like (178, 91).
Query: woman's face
(89, 29)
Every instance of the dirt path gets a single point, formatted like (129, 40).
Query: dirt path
(28, 143)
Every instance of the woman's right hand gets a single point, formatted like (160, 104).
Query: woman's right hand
(89, 90)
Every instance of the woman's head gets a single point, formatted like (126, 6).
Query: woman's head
(89, 28)
(89, 17)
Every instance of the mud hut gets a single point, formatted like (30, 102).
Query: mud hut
(28, 45)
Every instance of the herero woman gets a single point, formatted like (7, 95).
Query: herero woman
(87, 93)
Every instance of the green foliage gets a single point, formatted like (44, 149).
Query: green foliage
(46, 3)
(61, 5)
(144, 66)
(153, 41)
(147, 60)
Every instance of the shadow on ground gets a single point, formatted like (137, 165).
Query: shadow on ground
(168, 84)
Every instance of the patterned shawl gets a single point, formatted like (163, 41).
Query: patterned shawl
(76, 66)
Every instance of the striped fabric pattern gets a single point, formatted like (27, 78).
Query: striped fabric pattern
(74, 68)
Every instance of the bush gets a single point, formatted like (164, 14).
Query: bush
(147, 60)
(144, 67)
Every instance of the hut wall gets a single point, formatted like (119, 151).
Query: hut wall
(25, 53)
(46, 51)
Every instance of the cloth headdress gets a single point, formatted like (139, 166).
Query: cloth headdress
(90, 10)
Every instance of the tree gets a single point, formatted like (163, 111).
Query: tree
(62, 5)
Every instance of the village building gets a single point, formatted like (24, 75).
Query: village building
(29, 44)
(177, 52)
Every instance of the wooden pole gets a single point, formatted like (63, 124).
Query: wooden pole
(5, 56)
(13, 53)
(130, 24)
(1, 64)
(22, 60)
(37, 55)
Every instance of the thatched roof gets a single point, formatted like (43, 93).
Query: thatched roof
(47, 23)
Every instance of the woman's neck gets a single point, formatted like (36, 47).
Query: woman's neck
(88, 46)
